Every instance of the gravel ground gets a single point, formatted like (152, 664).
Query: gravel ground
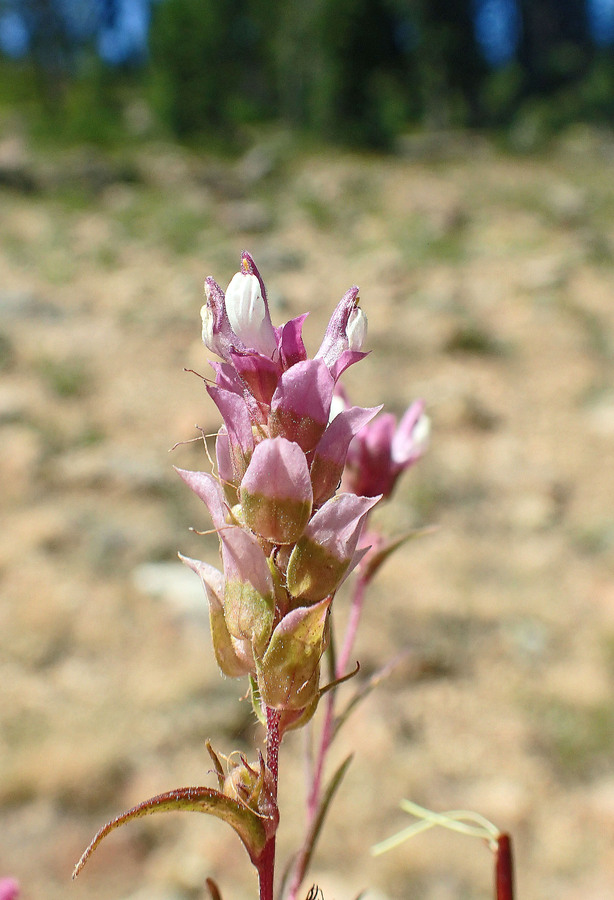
(488, 281)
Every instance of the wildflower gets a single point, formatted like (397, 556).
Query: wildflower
(286, 541)
(383, 450)
(325, 553)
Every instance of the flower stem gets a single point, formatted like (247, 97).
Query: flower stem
(504, 868)
(314, 797)
(266, 865)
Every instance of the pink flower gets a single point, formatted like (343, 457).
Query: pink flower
(276, 495)
(381, 451)
(325, 553)
(237, 327)
(9, 889)
(286, 541)
(331, 451)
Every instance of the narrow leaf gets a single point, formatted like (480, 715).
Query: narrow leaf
(213, 889)
(244, 821)
(365, 689)
(257, 705)
(377, 559)
(329, 793)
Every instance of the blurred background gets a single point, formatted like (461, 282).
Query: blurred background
(456, 160)
(360, 72)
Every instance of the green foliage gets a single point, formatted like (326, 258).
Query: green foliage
(208, 66)
(358, 72)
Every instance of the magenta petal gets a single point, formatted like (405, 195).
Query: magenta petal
(337, 525)
(9, 889)
(369, 469)
(276, 494)
(238, 425)
(210, 492)
(291, 346)
(259, 373)
(278, 469)
(223, 457)
(226, 377)
(301, 404)
(330, 454)
(244, 560)
(217, 333)
(408, 444)
(336, 336)
(378, 437)
(344, 361)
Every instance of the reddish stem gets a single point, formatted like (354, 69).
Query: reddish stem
(266, 865)
(315, 792)
(504, 868)
(358, 600)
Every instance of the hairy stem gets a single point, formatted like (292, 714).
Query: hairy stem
(266, 865)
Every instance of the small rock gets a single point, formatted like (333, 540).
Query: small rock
(547, 273)
(600, 416)
(14, 404)
(173, 583)
(566, 203)
(23, 305)
(533, 510)
(21, 451)
(96, 466)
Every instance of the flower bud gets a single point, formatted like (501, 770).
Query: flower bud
(356, 329)
(322, 557)
(330, 454)
(248, 314)
(300, 406)
(249, 602)
(344, 335)
(217, 333)
(289, 671)
(381, 451)
(275, 493)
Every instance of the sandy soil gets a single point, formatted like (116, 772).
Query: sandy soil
(489, 284)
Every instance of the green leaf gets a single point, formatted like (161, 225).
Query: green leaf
(331, 789)
(306, 852)
(257, 705)
(247, 824)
